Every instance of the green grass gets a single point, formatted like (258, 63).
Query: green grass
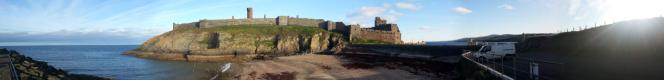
(267, 43)
(367, 41)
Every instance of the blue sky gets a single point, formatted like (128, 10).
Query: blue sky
(62, 22)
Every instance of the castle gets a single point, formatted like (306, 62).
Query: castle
(382, 31)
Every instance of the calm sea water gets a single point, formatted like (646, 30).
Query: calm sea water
(108, 61)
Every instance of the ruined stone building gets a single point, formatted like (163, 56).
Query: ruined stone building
(381, 31)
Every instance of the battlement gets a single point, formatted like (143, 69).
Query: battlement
(382, 30)
(387, 27)
(281, 20)
(305, 22)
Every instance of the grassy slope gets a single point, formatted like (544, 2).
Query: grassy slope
(629, 50)
(261, 30)
(367, 41)
(305, 31)
(266, 29)
(643, 34)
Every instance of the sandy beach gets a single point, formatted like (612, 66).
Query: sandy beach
(344, 66)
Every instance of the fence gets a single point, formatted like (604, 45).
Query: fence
(22, 67)
(513, 67)
(12, 67)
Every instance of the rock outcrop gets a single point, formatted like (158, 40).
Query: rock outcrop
(30, 69)
(245, 41)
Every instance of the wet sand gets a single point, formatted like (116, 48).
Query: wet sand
(350, 64)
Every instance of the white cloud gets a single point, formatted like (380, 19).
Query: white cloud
(387, 5)
(409, 6)
(372, 11)
(365, 15)
(425, 28)
(506, 7)
(462, 10)
(81, 36)
(573, 7)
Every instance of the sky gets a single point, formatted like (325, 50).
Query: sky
(130, 22)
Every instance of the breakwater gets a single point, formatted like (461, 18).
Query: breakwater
(26, 68)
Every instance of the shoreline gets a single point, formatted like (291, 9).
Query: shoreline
(27, 68)
(350, 63)
(189, 58)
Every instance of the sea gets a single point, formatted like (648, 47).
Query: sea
(109, 61)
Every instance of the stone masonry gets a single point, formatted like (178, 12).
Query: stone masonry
(381, 31)
(250, 13)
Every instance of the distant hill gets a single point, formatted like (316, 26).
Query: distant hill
(494, 38)
(491, 38)
(445, 43)
(504, 37)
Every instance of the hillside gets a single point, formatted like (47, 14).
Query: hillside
(634, 35)
(624, 50)
(504, 37)
(239, 41)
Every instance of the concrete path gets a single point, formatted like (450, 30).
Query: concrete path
(5, 73)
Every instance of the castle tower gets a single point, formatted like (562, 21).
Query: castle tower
(282, 20)
(354, 31)
(379, 21)
(250, 13)
(394, 28)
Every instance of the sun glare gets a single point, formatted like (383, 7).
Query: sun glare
(619, 10)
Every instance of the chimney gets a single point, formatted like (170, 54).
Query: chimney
(250, 13)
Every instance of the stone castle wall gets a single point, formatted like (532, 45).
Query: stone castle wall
(184, 26)
(268, 21)
(373, 34)
(305, 22)
(336, 27)
(381, 31)
(226, 22)
(387, 27)
(282, 20)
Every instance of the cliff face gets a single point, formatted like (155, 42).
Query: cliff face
(244, 40)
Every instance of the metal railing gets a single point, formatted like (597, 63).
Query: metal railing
(14, 72)
(515, 67)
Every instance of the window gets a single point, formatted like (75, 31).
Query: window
(486, 49)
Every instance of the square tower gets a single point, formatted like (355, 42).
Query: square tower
(250, 13)
(282, 20)
(379, 21)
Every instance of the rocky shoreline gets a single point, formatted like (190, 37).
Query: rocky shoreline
(193, 58)
(29, 69)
